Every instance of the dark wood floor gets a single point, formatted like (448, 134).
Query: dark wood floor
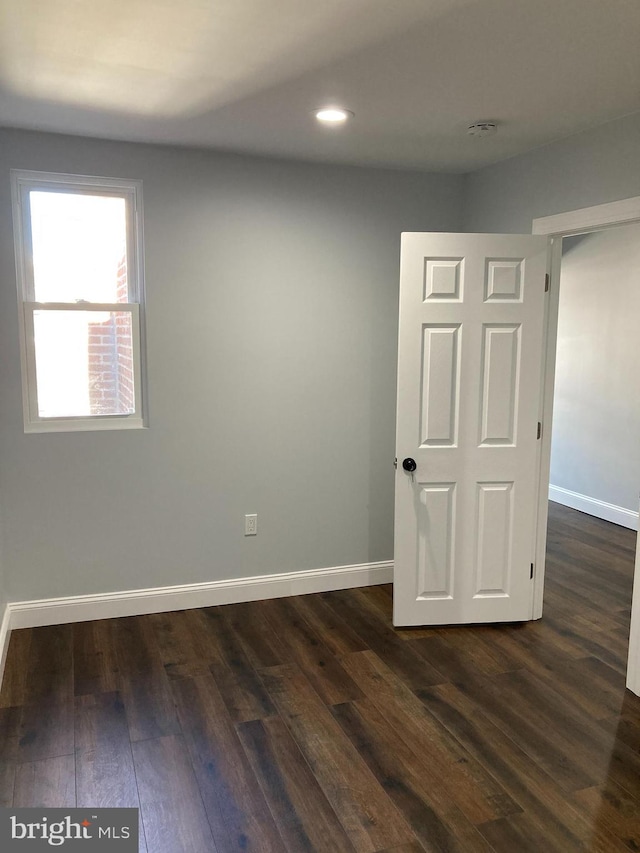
(309, 724)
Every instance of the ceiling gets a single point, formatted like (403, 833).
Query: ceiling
(244, 75)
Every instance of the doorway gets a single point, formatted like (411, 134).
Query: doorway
(569, 225)
(595, 453)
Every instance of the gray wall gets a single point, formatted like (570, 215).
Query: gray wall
(596, 424)
(593, 167)
(272, 294)
(3, 595)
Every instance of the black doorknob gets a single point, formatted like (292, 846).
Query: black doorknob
(409, 464)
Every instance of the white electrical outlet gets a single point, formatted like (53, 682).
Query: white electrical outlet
(251, 525)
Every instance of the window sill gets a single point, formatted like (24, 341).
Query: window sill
(84, 425)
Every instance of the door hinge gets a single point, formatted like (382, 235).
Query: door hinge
(546, 283)
(395, 463)
(531, 573)
(539, 430)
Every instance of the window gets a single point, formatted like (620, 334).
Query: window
(79, 268)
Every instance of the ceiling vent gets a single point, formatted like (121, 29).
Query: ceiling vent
(482, 128)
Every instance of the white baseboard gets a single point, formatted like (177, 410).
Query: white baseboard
(592, 506)
(5, 633)
(135, 602)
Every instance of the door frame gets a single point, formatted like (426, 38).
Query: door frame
(556, 227)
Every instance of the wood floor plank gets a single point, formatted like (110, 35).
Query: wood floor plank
(136, 645)
(381, 597)
(486, 659)
(592, 528)
(46, 735)
(601, 592)
(181, 645)
(306, 821)
(602, 555)
(610, 807)
(489, 639)
(605, 646)
(592, 749)
(49, 685)
(260, 643)
(15, 677)
(586, 614)
(334, 632)
(545, 632)
(50, 654)
(49, 783)
(414, 786)
(95, 659)
(625, 726)
(518, 833)
(9, 733)
(105, 776)
(171, 808)
(398, 655)
(623, 729)
(567, 675)
(149, 705)
(7, 783)
(536, 791)
(238, 814)
(9, 737)
(240, 686)
(512, 711)
(444, 657)
(369, 818)
(144, 684)
(305, 648)
(467, 783)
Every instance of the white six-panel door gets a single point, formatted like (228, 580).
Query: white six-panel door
(469, 398)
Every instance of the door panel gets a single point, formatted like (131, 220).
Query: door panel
(500, 383)
(469, 386)
(436, 524)
(494, 537)
(440, 382)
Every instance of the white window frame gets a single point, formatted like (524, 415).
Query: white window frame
(22, 183)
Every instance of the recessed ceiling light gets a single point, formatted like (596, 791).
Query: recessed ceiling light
(333, 115)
